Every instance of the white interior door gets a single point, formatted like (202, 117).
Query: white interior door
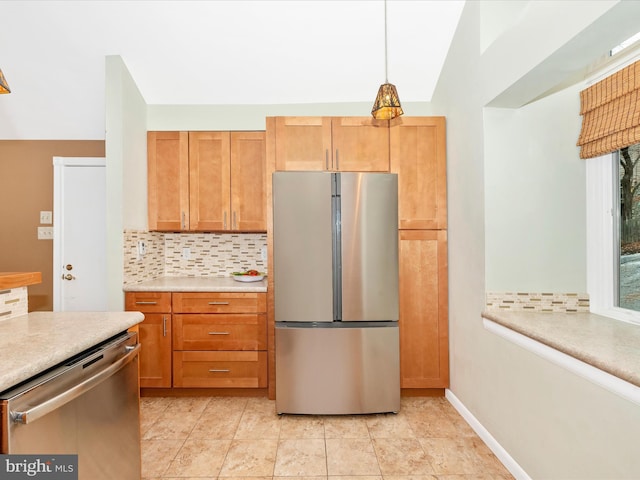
(79, 234)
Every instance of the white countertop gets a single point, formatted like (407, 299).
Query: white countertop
(607, 344)
(197, 284)
(32, 343)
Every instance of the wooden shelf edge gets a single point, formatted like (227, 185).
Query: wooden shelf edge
(9, 280)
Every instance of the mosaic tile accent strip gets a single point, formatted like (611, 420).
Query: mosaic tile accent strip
(213, 254)
(538, 302)
(13, 303)
(191, 254)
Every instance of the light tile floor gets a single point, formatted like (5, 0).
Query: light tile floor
(230, 437)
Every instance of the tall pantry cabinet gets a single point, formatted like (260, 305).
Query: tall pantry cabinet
(418, 156)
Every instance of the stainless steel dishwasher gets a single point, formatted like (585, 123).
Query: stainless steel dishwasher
(87, 406)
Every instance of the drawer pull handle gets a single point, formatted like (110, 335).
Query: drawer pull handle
(218, 303)
(146, 303)
(219, 370)
(219, 333)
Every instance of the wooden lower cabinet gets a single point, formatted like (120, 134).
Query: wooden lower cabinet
(424, 335)
(154, 334)
(219, 340)
(4, 434)
(230, 369)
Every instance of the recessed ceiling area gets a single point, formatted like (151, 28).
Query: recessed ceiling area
(216, 53)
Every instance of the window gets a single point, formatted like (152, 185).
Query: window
(609, 109)
(612, 286)
(627, 228)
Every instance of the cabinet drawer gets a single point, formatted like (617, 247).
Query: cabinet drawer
(151, 302)
(220, 332)
(220, 369)
(223, 302)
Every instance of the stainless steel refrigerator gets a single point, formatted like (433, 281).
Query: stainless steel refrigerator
(335, 271)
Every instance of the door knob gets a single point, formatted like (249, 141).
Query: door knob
(68, 276)
(68, 266)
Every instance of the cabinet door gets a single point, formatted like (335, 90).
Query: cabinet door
(168, 180)
(248, 181)
(303, 143)
(209, 183)
(424, 336)
(418, 156)
(155, 350)
(360, 144)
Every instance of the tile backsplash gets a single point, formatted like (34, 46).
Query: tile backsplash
(191, 254)
(538, 302)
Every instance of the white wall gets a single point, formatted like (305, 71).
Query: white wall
(554, 424)
(125, 148)
(535, 209)
(252, 117)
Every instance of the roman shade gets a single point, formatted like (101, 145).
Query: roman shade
(610, 113)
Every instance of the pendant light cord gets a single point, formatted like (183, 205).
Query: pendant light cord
(386, 75)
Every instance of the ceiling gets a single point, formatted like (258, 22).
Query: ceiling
(218, 52)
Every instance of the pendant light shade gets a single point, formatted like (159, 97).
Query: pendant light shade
(387, 103)
(4, 87)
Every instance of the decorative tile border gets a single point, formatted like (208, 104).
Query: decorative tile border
(13, 303)
(538, 302)
(209, 254)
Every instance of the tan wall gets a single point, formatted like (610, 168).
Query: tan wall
(26, 188)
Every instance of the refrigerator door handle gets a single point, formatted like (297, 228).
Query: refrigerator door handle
(337, 246)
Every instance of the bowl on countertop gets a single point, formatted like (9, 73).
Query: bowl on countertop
(247, 277)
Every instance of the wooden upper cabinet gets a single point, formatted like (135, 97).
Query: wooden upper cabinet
(207, 181)
(303, 143)
(418, 156)
(209, 185)
(423, 323)
(357, 144)
(248, 181)
(360, 144)
(168, 180)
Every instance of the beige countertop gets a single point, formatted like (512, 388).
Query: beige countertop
(197, 284)
(32, 343)
(605, 343)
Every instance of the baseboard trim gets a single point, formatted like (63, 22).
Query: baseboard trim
(510, 464)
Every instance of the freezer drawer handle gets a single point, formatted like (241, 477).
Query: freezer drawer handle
(218, 303)
(219, 333)
(65, 397)
(146, 303)
(219, 370)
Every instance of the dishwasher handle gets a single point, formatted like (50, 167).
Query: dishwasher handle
(58, 401)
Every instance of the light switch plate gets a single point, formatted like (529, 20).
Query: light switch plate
(46, 217)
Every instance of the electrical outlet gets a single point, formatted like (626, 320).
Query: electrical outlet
(46, 217)
(263, 254)
(142, 249)
(186, 253)
(45, 233)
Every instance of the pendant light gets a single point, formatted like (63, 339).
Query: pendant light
(387, 104)
(4, 87)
